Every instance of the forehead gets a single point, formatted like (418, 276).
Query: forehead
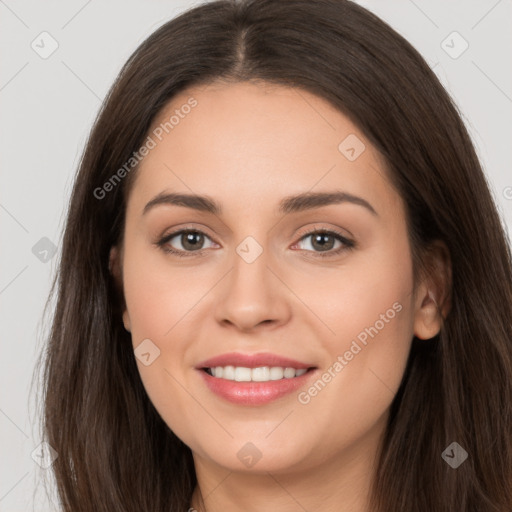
(249, 143)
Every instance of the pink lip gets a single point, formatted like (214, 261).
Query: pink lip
(252, 361)
(253, 393)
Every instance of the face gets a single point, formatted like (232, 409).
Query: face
(303, 307)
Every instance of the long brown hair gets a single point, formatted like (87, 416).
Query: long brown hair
(115, 452)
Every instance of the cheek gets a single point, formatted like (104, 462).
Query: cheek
(370, 319)
(366, 367)
(159, 295)
(160, 300)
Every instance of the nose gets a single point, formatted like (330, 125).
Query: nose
(253, 295)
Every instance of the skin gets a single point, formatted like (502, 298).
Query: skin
(247, 146)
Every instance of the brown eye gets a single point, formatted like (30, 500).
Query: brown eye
(183, 242)
(191, 240)
(323, 242)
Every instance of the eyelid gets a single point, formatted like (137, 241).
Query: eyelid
(329, 229)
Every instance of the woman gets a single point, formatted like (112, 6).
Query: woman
(284, 283)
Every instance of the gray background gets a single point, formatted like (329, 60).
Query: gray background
(49, 104)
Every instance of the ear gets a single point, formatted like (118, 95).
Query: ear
(115, 268)
(433, 296)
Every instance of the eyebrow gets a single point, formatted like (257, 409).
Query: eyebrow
(290, 204)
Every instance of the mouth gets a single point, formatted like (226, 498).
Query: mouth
(254, 379)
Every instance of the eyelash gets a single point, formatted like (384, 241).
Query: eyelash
(347, 244)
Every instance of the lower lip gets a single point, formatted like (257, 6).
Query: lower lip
(254, 393)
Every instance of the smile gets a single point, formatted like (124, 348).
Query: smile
(254, 379)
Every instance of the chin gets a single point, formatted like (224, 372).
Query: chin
(256, 456)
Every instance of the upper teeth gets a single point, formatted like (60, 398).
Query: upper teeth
(261, 374)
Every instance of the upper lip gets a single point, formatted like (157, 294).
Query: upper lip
(252, 361)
